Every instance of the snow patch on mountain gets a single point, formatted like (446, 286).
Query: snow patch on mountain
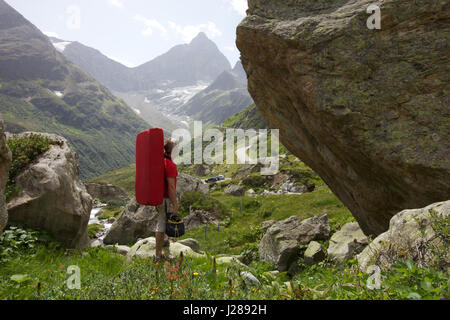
(61, 46)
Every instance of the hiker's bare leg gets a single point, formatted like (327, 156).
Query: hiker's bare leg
(159, 244)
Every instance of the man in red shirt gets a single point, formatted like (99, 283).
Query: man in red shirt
(170, 195)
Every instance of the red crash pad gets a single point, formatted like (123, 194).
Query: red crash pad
(150, 167)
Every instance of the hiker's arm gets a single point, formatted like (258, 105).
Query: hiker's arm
(173, 194)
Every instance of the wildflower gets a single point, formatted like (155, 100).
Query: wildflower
(117, 278)
(195, 273)
(232, 291)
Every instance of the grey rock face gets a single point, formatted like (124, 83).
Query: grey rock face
(202, 170)
(191, 243)
(250, 279)
(267, 224)
(106, 192)
(134, 222)
(347, 242)
(52, 197)
(235, 190)
(314, 253)
(199, 218)
(412, 235)
(365, 109)
(146, 248)
(187, 183)
(280, 243)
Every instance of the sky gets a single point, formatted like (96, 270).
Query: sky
(136, 31)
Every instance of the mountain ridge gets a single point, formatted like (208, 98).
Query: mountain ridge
(182, 65)
(226, 96)
(42, 91)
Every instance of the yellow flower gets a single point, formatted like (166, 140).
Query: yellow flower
(195, 273)
(232, 291)
(117, 279)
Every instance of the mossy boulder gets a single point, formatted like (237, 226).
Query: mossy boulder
(146, 248)
(367, 110)
(419, 235)
(52, 196)
(314, 253)
(347, 242)
(280, 244)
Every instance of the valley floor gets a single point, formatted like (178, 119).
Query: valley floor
(33, 266)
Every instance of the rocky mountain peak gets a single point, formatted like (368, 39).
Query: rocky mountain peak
(200, 38)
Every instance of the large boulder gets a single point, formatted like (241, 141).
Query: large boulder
(419, 235)
(365, 109)
(235, 190)
(347, 242)
(52, 197)
(146, 248)
(202, 170)
(187, 183)
(280, 244)
(139, 222)
(5, 161)
(135, 222)
(106, 192)
(199, 218)
(313, 253)
(191, 243)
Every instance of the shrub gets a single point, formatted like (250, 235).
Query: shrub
(200, 201)
(250, 253)
(439, 248)
(252, 236)
(251, 204)
(306, 177)
(110, 212)
(24, 151)
(266, 210)
(254, 181)
(93, 229)
(116, 203)
(17, 238)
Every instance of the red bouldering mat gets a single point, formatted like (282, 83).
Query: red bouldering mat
(150, 167)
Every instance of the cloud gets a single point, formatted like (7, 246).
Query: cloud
(150, 26)
(189, 32)
(51, 34)
(116, 3)
(240, 6)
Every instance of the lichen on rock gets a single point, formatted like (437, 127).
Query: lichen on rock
(52, 196)
(365, 109)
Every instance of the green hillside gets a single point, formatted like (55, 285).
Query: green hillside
(249, 118)
(40, 90)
